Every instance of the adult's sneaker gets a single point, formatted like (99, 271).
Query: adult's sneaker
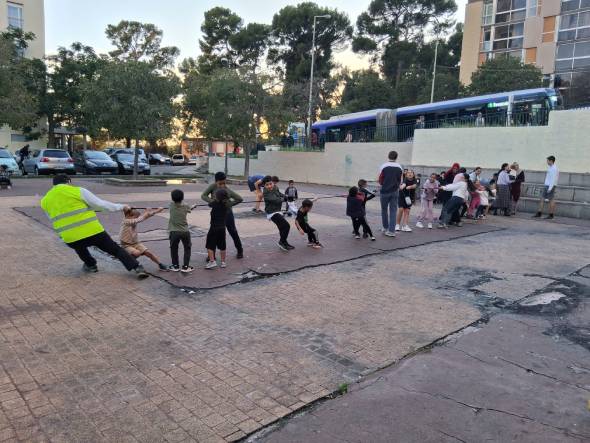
(174, 268)
(442, 226)
(211, 265)
(283, 246)
(140, 272)
(419, 224)
(90, 269)
(406, 228)
(373, 238)
(289, 246)
(187, 269)
(389, 234)
(358, 237)
(459, 224)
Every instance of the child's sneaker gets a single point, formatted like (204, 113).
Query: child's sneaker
(140, 272)
(397, 228)
(419, 224)
(310, 244)
(317, 246)
(187, 269)
(289, 247)
(357, 236)
(174, 268)
(429, 225)
(283, 246)
(373, 238)
(211, 265)
(406, 228)
(223, 265)
(163, 267)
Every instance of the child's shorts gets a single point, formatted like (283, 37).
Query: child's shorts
(216, 239)
(252, 185)
(135, 249)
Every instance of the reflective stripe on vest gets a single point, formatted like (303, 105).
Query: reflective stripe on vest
(70, 215)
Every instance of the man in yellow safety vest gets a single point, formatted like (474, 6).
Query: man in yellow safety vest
(71, 210)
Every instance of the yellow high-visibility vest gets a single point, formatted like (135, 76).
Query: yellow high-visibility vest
(72, 219)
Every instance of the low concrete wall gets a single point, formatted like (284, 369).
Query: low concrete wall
(340, 164)
(566, 137)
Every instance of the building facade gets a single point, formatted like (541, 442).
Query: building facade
(28, 15)
(552, 34)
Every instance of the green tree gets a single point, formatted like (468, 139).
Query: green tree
(18, 105)
(365, 90)
(135, 41)
(130, 100)
(292, 40)
(392, 30)
(504, 74)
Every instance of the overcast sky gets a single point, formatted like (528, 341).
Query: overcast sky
(67, 21)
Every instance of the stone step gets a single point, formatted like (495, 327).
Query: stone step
(564, 193)
(563, 208)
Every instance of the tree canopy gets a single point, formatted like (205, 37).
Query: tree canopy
(504, 74)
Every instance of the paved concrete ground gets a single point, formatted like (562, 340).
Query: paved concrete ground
(107, 358)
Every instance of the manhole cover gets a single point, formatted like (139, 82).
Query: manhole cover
(542, 299)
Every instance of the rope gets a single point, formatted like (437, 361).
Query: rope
(251, 201)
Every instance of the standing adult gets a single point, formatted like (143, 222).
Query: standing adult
(390, 177)
(208, 195)
(449, 178)
(256, 185)
(550, 190)
(71, 210)
(503, 191)
(517, 176)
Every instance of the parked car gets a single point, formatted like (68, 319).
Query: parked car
(178, 160)
(95, 162)
(193, 160)
(132, 152)
(125, 160)
(159, 159)
(49, 161)
(9, 161)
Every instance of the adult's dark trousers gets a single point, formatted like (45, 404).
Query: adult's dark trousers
(176, 237)
(450, 208)
(105, 243)
(283, 225)
(230, 224)
(357, 222)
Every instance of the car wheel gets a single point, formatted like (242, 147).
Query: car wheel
(37, 174)
(23, 170)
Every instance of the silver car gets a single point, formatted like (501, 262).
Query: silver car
(8, 160)
(49, 161)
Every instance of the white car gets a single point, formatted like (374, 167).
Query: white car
(178, 160)
(49, 161)
(8, 160)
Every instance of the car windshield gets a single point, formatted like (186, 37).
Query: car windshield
(55, 153)
(97, 155)
(4, 154)
(125, 157)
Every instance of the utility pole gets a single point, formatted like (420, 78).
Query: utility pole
(434, 72)
(308, 141)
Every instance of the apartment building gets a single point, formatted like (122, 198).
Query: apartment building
(552, 34)
(29, 16)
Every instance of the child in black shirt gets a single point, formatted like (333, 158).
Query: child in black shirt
(303, 227)
(367, 195)
(355, 209)
(290, 199)
(216, 235)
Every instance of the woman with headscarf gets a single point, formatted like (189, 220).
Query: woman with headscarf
(445, 196)
(503, 200)
(518, 178)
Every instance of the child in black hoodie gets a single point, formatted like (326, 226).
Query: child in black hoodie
(355, 209)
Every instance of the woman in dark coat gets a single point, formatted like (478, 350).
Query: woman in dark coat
(445, 196)
(516, 185)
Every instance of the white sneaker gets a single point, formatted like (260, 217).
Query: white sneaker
(419, 224)
(390, 234)
(223, 265)
(397, 228)
(406, 228)
(382, 230)
(429, 225)
(211, 265)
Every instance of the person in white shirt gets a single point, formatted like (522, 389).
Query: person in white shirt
(549, 191)
(461, 188)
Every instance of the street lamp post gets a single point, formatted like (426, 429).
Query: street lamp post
(225, 143)
(434, 72)
(315, 17)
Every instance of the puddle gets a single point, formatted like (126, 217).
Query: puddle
(542, 299)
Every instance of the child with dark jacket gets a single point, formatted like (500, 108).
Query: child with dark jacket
(220, 206)
(273, 203)
(355, 209)
(301, 222)
(367, 195)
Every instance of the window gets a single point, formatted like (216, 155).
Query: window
(510, 10)
(488, 13)
(18, 138)
(572, 5)
(509, 36)
(574, 26)
(15, 16)
(572, 56)
(486, 39)
(532, 8)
